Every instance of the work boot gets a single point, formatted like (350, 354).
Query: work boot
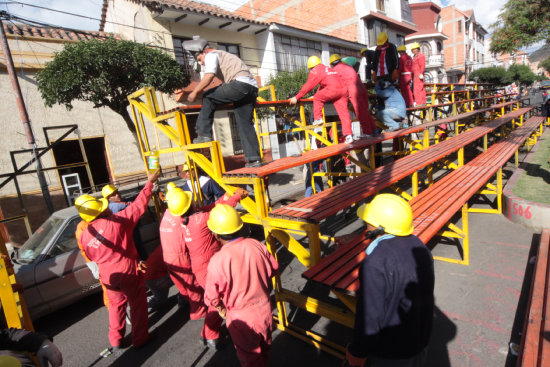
(202, 139)
(214, 344)
(253, 164)
(318, 122)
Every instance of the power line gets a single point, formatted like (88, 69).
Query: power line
(39, 23)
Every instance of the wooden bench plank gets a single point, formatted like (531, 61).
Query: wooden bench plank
(432, 210)
(533, 351)
(328, 202)
(337, 149)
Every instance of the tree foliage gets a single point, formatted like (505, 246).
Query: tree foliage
(494, 75)
(545, 64)
(287, 84)
(105, 72)
(521, 23)
(521, 74)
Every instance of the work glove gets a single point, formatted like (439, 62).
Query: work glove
(293, 100)
(48, 352)
(421, 77)
(142, 267)
(222, 311)
(93, 268)
(241, 192)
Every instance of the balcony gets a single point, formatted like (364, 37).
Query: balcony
(435, 61)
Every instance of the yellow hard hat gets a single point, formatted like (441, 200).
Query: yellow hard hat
(178, 201)
(108, 190)
(169, 186)
(9, 361)
(382, 38)
(89, 208)
(389, 211)
(82, 198)
(313, 61)
(224, 219)
(415, 45)
(363, 50)
(402, 48)
(334, 58)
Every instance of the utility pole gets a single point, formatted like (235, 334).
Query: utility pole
(23, 112)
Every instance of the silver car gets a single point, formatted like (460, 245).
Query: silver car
(50, 267)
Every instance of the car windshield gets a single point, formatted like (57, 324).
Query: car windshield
(39, 239)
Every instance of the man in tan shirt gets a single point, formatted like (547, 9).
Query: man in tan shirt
(239, 87)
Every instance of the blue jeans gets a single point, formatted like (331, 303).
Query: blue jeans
(390, 117)
(243, 96)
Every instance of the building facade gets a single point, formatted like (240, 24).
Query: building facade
(464, 50)
(430, 38)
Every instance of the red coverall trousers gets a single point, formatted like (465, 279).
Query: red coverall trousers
(331, 89)
(202, 245)
(358, 96)
(178, 264)
(405, 88)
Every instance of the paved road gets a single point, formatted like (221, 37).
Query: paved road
(480, 310)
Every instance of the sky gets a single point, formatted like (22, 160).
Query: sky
(485, 11)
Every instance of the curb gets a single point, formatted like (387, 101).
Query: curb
(521, 211)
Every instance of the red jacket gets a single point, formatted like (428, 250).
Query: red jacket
(109, 241)
(239, 276)
(348, 75)
(419, 64)
(200, 241)
(321, 75)
(405, 64)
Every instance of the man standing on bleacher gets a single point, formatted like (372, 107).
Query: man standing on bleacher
(239, 87)
(395, 300)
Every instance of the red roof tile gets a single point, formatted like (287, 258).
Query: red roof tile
(64, 34)
(185, 5)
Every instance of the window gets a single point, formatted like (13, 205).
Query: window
(428, 79)
(425, 49)
(183, 57)
(186, 59)
(400, 40)
(439, 47)
(380, 5)
(231, 48)
(460, 26)
(374, 28)
(343, 51)
(292, 53)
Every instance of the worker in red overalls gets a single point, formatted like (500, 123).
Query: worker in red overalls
(108, 240)
(405, 75)
(330, 89)
(237, 284)
(80, 227)
(357, 93)
(200, 245)
(419, 64)
(177, 261)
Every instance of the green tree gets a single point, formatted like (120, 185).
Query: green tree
(521, 23)
(521, 74)
(287, 84)
(105, 72)
(545, 64)
(495, 75)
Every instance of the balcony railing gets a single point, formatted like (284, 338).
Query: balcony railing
(435, 60)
